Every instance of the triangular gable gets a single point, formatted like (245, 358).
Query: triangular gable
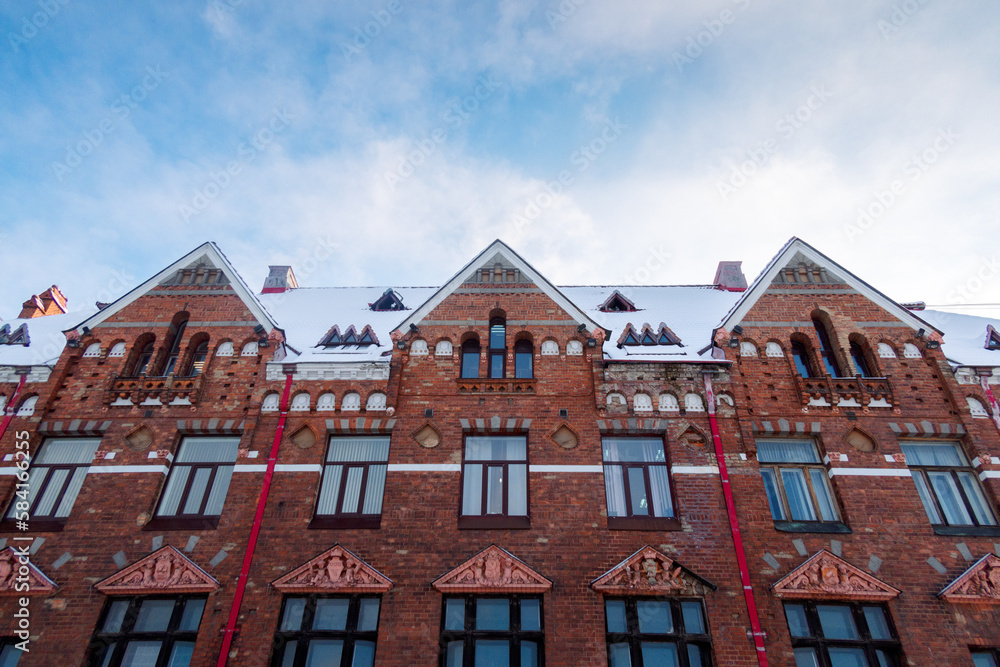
(992, 338)
(980, 584)
(529, 273)
(12, 580)
(388, 301)
(649, 572)
(828, 577)
(493, 570)
(797, 250)
(166, 570)
(617, 303)
(203, 255)
(336, 569)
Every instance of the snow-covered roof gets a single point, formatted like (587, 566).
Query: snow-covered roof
(964, 342)
(46, 339)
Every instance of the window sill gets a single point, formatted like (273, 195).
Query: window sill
(643, 523)
(811, 527)
(346, 522)
(34, 526)
(970, 531)
(493, 522)
(182, 523)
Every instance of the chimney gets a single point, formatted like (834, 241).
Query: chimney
(729, 276)
(49, 302)
(279, 279)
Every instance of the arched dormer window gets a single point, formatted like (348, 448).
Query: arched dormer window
(523, 354)
(800, 357)
(143, 360)
(176, 333)
(498, 347)
(198, 359)
(860, 359)
(830, 364)
(470, 358)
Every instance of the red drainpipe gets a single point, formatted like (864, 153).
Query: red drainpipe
(11, 405)
(734, 525)
(241, 583)
(985, 384)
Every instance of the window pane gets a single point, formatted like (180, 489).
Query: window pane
(352, 490)
(799, 502)
(472, 492)
(654, 616)
(324, 652)
(10, 656)
(615, 611)
(492, 653)
(141, 654)
(620, 656)
(494, 490)
(208, 450)
(374, 490)
(492, 614)
(797, 623)
(470, 365)
(878, 627)
(454, 614)
(36, 478)
(637, 492)
(824, 495)
(771, 489)
(517, 490)
(220, 486)
(454, 654)
(197, 491)
(925, 497)
(191, 618)
(974, 494)
(884, 659)
(983, 660)
(329, 489)
(331, 614)
(496, 366)
(806, 657)
(694, 622)
(614, 489)
(288, 656)
(292, 620)
(697, 656)
(646, 450)
(847, 657)
(933, 454)
(529, 654)
(951, 502)
(364, 654)
(787, 451)
(368, 615)
(172, 493)
(48, 500)
(67, 451)
(661, 655)
(356, 448)
(154, 616)
(497, 336)
(181, 654)
(837, 621)
(116, 614)
(69, 496)
(522, 365)
(490, 448)
(659, 479)
(109, 652)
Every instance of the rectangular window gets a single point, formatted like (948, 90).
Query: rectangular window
(495, 482)
(948, 486)
(645, 632)
(350, 494)
(980, 657)
(797, 486)
(154, 631)
(198, 482)
(855, 635)
(325, 630)
(492, 631)
(10, 655)
(55, 477)
(637, 483)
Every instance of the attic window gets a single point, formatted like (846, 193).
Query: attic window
(648, 336)
(992, 338)
(350, 337)
(18, 337)
(388, 301)
(616, 303)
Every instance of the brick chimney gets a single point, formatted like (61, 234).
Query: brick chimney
(49, 302)
(279, 279)
(729, 276)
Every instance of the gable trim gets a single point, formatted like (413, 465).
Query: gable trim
(649, 572)
(493, 570)
(980, 584)
(825, 576)
(335, 570)
(166, 570)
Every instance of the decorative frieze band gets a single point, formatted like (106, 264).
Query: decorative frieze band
(75, 427)
(927, 430)
(210, 426)
(632, 425)
(495, 425)
(360, 425)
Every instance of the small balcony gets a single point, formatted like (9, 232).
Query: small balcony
(853, 392)
(502, 386)
(154, 390)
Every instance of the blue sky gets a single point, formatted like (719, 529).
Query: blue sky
(388, 142)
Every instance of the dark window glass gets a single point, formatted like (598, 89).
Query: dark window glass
(948, 486)
(157, 631)
(470, 359)
(980, 658)
(657, 632)
(801, 359)
(860, 362)
(10, 655)
(198, 360)
(55, 477)
(498, 348)
(495, 478)
(796, 482)
(142, 363)
(854, 634)
(488, 631)
(175, 349)
(523, 351)
(199, 478)
(826, 350)
(316, 630)
(354, 480)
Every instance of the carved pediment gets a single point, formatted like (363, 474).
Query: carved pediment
(335, 569)
(13, 578)
(165, 570)
(827, 577)
(492, 570)
(979, 584)
(649, 572)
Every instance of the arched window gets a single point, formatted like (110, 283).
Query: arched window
(800, 356)
(498, 347)
(826, 350)
(142, 361)
(175, 346)
(860, 360)
(523, 352)
(198, 359)
(470, 358)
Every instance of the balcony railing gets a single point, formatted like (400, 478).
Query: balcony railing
(150, 390)
(510, 386)
(852, 392)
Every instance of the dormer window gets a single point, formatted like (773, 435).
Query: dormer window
(648, 336)
(18, 337)
(349, 337)
(387, 302)
(617, 303)
(992, 338)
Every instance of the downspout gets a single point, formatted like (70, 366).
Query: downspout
(11, 404)
(241, 583)
(734, 525)
(985, 384)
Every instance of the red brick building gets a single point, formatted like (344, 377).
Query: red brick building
(499, 472)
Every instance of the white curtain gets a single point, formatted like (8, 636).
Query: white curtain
(329, 489)
(67, 451)
(492, 448)
(472, 491)
(614, 489)
(374, 490)
(787, 451)
(933, 454)
(356, 448)
(208, 450)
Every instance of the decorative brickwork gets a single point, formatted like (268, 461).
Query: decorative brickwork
(493, 570)
(166, 570)
(649, 572)
(336, 570)
(14, 580)
(827, 577)
(980, 584)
